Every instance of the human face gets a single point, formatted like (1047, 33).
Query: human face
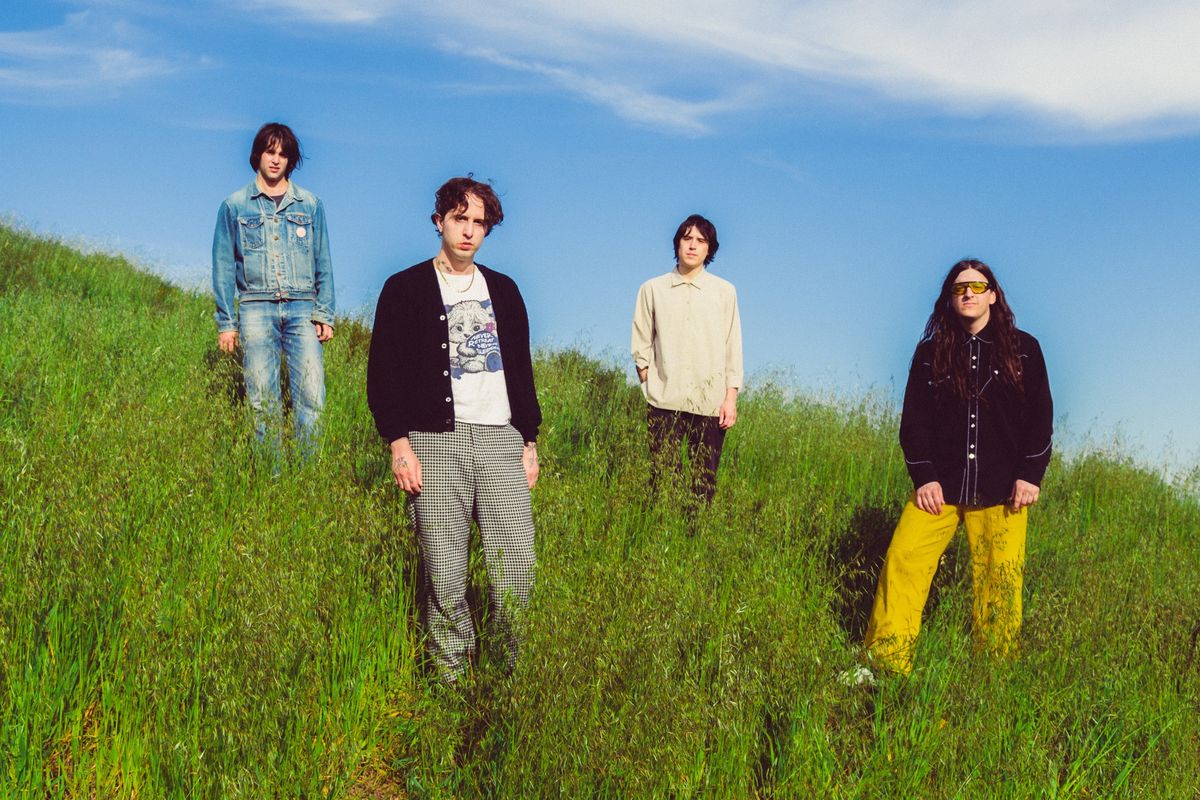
(973, 310)
(272, 164)
(693, 249)
(463, 230)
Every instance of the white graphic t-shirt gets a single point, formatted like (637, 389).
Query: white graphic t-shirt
(476, 371)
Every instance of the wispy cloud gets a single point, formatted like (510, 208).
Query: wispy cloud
(1117, 69)
(1113, 69)
(84, 56)
(768, 159)
(339, 11)
(635, 104)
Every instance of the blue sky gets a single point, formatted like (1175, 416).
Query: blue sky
(849, 153)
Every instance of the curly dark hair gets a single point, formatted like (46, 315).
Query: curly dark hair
(944, 331)
(452, 195)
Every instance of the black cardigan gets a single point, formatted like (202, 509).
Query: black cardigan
(408, 370)
(978, 446)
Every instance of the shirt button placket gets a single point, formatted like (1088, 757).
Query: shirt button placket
(972, 429)
(279, 227)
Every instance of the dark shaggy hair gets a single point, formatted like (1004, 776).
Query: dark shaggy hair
(705, 229)
(276, 133)
(944, 330)
(453, 195)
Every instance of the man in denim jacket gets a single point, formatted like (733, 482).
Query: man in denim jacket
(271, 253)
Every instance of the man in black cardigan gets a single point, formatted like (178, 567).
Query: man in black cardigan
(450, 384)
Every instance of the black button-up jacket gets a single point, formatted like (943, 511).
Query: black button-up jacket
(977, 447)
(408, 369)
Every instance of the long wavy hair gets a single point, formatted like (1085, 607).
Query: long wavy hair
(944, 331)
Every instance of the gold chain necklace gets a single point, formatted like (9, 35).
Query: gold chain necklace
(437, 265)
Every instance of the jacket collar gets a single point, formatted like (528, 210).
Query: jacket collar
(288, 196)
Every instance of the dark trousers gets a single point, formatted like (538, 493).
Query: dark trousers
(669, 432)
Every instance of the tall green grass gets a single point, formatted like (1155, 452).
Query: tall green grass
(182, 617)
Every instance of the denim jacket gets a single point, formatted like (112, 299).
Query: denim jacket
(261, 253)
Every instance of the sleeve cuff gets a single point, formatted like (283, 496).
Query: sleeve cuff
(922, 473)
(391, 434)
(1032, 475)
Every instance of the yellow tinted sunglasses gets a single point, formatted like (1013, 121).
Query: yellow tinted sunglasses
(976, 287)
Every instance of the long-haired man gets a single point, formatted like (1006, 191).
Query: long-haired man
(976, 431)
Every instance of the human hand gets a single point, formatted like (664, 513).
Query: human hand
(405, 466)
(1024, 494)
(529, 460)
(227, 341)
(930, 499)
(727, 414)
(324, 332)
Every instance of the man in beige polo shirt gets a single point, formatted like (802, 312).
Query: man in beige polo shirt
(687, 347)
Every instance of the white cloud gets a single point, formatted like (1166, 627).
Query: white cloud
(769, 160)
(1111, 69)
(80, 57)
(1094, 67)
(339, 11)
(634, 104)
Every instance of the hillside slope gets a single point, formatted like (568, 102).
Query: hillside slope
(181, 618)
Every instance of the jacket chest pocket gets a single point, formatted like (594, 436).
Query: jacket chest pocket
(299, 230)
(250, 233)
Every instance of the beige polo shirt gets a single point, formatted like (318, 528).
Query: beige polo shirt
(689, 335)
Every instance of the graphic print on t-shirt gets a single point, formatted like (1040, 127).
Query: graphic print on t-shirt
(474, 345)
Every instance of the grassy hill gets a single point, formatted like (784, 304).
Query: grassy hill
(179, 619)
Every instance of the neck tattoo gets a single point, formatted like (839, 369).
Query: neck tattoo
(443, 269)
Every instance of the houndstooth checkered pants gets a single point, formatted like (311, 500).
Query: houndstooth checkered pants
(475, 472)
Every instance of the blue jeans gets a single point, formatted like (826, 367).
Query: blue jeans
(267, 330)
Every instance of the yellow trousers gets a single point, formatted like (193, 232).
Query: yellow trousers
(996, 536)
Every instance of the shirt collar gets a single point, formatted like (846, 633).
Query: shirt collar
(701, 280)
(985, 335)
